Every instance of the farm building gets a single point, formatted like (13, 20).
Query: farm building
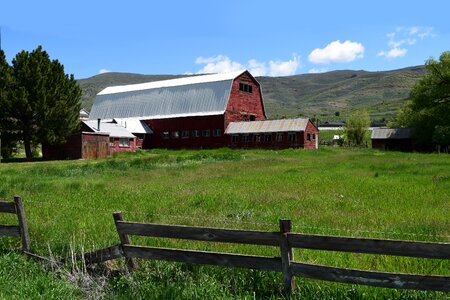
(392, 139)
(286, 133)
(190, 112)
(93, 140)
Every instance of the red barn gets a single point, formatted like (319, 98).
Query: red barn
(190, 112)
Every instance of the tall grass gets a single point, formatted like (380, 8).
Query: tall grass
(330, 191)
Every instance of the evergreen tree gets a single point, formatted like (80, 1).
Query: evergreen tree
(43, 103)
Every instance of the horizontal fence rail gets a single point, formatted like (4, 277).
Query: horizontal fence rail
(7, 207)
(370, 246)
(286, 241)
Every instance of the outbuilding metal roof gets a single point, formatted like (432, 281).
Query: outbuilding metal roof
(114, 130)
(283, 125)
(392, 133)
(195, 95)
(134, 125)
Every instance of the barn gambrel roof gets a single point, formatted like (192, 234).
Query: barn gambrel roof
(182, 97)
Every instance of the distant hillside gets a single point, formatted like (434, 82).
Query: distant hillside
(381, 93)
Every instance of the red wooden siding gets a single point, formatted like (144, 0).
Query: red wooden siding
(115, 146)
(189, 124)
(313, 141)
(244, 105)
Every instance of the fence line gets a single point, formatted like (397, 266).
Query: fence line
(21, 229)
(286, 241)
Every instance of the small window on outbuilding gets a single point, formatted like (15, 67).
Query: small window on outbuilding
(185, 134)
(279, 137)
(267, 137)
(252, 117)
(314, 136)
(308, 136)
(165, 135)
(256, 138)
(234, 138)
(195, 133)
(245, 138)
(206, 133)
(124, 142)
(217, 132)
(175, 134)
(292, 137)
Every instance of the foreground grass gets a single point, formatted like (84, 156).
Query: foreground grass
(330, 191)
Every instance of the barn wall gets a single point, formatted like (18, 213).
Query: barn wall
(253, 142)
(313, 136)
(94, 146)
(69, 150)
(393, 144)
(114, 145)
(242, 105)
(200, 123)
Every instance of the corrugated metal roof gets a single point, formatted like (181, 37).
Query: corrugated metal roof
(392, 133)
(114, 130)
(284, 125)
(134, 125)
(199, 95)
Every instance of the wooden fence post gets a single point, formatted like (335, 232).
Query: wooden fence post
(22, 224)
(124, 239)
(287, 256)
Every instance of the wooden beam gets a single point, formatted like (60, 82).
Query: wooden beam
(202, 257)
(124, 239)
(102, 255)
(7, 207)
(9, 230)
(380, 279)
(22, 223)
(287, 256)
(372, 246)
(200, 233)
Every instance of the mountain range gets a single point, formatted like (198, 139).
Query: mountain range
(328, 96)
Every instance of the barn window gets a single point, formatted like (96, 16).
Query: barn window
(124, 142)
(206, 133)
(195, 133)
(165, 135)
(245, 138)
(245, 87)
(279, 137)
(175, 134)
(252, 117)
(267, 137)
(185, 134)
(235, 138)
(314, 136)
(217, 132)
(292, 137)
(308, 136)
(256, 138)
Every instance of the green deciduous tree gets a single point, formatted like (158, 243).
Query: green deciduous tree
(428, 110)
(357, 127)
(42, 103)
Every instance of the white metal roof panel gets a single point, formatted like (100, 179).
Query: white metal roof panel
(164, 99)
(114, 130)
(283, 125)
(134, 125)
(392, 133)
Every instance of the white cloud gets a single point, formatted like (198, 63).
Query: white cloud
(218, 64)
(403, 37)
(284, 68)
(223, 64)
(337, 52)
(101, 71)
(317, 70)
(393, 53)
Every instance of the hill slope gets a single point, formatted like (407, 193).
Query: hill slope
(381, 93)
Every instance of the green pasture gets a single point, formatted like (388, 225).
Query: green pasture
(333, 191)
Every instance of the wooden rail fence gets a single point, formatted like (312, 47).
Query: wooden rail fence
(285, 240)
(21, 229)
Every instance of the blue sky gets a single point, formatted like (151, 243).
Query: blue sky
(273, 38)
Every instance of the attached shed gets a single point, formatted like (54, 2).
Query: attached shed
(392, 139)
(285, 133)
(120, 139)
(139, 129)
(84, 144)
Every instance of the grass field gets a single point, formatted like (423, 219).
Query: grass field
(347, 192)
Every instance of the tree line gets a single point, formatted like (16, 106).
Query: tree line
(39, 102)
